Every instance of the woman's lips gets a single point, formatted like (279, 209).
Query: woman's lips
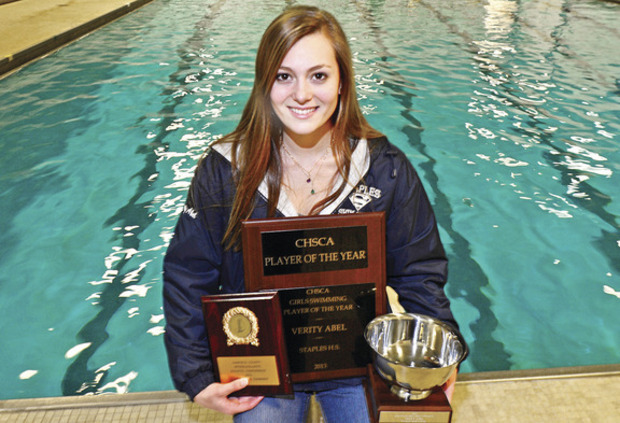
(303, 112)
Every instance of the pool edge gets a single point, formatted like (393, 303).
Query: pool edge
(168, 396)
(538, 374)
(17, 60)
(87, 401)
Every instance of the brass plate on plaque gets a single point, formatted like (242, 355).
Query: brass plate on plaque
(420, 416)
(261, 370)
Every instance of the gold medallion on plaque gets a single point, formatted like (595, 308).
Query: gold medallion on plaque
(241, 327)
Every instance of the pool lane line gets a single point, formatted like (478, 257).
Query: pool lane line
(79, 379)
(606, 243)
(608, 239)
(495, 356)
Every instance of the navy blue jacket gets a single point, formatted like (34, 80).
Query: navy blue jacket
(196, 264)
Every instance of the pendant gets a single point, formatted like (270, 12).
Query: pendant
(308, 180)
(312, 192)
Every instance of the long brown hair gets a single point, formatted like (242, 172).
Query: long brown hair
(257, 139)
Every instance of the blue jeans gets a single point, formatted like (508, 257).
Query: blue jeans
(343, 404)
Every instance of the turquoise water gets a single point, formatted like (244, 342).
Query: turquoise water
(509, 110)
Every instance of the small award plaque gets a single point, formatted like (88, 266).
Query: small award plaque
(386, 407)
(247, 340)
(330, 271)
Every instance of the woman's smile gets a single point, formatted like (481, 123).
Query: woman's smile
(302, 113)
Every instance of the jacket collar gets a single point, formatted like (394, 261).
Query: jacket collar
(360, 163)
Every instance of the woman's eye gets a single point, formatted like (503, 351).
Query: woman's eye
(283, 77)
(320, 76)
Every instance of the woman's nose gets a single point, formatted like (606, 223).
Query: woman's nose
(303, 92)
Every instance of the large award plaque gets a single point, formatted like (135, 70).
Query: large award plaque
(247, 340)
(330, 273)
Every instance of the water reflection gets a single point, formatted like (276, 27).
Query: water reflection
(471, 281)
(126, 267)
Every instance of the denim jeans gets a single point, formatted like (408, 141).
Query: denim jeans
(342, 404)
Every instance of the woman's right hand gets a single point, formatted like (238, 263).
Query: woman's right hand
(215, 397)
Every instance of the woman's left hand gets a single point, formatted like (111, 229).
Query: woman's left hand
(448, 387)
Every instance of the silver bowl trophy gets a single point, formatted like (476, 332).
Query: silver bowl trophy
(414, 354)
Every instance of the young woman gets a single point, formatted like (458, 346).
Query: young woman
(302, 147)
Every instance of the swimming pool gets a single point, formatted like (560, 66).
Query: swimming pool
(509, 110)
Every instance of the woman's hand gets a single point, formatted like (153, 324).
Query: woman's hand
(448, 387)
(215, 397)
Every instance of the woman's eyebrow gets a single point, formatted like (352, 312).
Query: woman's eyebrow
(313, 68)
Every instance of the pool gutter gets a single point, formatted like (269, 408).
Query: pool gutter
(166, 397)
(540, 374)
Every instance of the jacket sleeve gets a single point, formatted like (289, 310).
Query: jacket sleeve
(191, 269)
(417, 266)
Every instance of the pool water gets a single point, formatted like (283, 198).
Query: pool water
(509, 110)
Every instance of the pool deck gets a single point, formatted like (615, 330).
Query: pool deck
(579, 395)
(30, 29)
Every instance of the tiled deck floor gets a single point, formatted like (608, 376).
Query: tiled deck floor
(566, 397)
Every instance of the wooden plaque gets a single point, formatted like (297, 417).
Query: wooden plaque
(247, 340)
(331, 263)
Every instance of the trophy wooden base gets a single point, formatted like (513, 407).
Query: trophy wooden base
(386, 407)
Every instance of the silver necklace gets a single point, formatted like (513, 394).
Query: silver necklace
(304, 170)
